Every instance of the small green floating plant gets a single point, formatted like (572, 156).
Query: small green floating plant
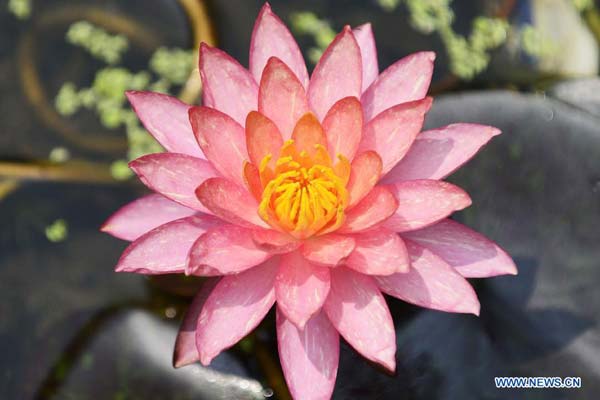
(468, 55)
(167, 68)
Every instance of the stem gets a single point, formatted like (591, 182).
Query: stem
(71, 171)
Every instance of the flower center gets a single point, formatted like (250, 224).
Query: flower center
(304, 194)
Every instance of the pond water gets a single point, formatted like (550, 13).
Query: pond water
(71, 328)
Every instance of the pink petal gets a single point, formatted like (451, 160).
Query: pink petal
(223, 141)
(406, 80)
(365, 172)
(379, 252)
(274, 242)
(424, 202)
(375, 208)
(175, 176)
(300, 287)
(185, 352)
(281, 96)
(358, 311)
(392, 132)
(142, 215)
(437, 153)
(337, 75)
(309, 357)
(234, 308)
(230, 202)
(472, 254)
(262, 138)
(166, 118)
(343, 126)
(164, 250)
(227, 86)
(223, 250)
(271, 38)
(431, 283)
(328, 250)
(368, 51)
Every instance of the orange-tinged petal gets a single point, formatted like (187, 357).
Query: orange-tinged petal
(343, 127)
(308, 133)
(252, 179)
(230, 202)
(366, 170)
(343, 169)
(262, 138)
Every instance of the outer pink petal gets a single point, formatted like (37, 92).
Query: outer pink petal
(281, 97)
(166, 118)
(368, 51)
(379, 252)
(230, 202)
(234, 308)
(142, 215)
(271, 38)
(328, 250)
(437, 153)
(227, 86)
(406, 80)
(223, 141)
(223, 250)
(431, 283)
(175, 176)
(309, 357)
(185, 352)
(424, 202)
(375, 208)
(358, 311)
(392, 132)
(337, 75)
(343, 126)
(274, 242)
(164, 250)
(300, 288)
(472, 254)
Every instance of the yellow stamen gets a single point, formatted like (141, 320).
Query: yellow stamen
(303, 194)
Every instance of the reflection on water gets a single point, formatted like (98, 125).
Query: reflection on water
(72, 328)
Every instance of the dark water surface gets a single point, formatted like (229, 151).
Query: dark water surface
(70, 328)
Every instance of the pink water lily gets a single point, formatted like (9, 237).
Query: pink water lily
(314, 194)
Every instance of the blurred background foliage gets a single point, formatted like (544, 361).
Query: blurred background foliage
(469, 55)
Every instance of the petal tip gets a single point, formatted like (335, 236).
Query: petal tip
(495, 131)
(206, 359)
(266, 8)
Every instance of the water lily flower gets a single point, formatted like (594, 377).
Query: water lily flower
(314, 194)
